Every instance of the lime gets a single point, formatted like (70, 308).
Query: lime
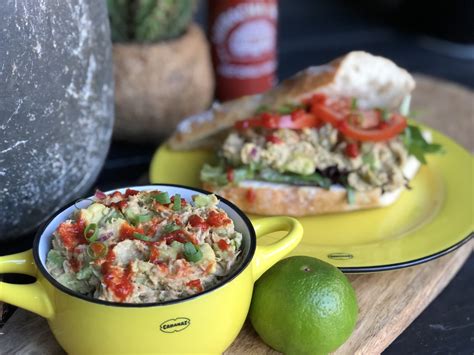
(303, 305)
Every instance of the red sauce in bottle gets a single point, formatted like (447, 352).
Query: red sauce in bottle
(243, 39)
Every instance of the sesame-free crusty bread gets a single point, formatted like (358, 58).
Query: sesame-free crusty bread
(375, 81)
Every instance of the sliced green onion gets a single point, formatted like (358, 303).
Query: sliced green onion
(97, 250)
(91, 232)
(350, 195)
(192, 252)
(142, 218)
(385, 114)
(171, 227)
(141, 236)
(163, 198)
(354, 104)
(177, 202)
(369, 159)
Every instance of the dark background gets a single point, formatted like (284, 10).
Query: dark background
(430, 37)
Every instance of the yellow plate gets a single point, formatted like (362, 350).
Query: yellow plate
(432, 219)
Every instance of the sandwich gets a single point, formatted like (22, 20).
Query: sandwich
(332, 138)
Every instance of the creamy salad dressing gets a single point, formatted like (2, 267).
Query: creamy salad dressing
(144, 247)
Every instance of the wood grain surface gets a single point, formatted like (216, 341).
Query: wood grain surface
(388, 301)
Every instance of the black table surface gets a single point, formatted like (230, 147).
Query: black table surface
(314, 32)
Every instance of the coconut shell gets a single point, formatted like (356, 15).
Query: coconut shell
(157, 85)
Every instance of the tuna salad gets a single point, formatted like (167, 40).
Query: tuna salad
(144, 247)
(322, 141)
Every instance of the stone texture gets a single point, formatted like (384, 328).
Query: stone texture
(56, 106)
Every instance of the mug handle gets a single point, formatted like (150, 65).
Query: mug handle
(267, 255)
(32, 297)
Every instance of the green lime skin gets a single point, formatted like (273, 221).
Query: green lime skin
(303, 305)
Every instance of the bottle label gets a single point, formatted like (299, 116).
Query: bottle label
(244, 37)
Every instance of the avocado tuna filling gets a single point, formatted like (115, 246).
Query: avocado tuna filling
(310, 156)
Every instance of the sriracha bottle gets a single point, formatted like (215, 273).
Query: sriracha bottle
(243, 39)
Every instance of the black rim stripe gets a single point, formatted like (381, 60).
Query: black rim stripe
(221, 283)
(368, 269)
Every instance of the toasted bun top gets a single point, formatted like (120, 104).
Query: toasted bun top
(375, 82)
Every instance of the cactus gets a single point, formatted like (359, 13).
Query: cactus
(149, 20)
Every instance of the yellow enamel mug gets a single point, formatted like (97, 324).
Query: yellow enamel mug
(205, 323)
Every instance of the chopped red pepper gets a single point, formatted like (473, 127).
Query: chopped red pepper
(273, 139)
(223, 245)
(131, 192)
(196, 284)
(196, 221)
(352, 150)
(217, 219)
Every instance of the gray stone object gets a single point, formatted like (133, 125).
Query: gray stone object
(56, 106)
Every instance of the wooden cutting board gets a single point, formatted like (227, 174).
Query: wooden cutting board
(388, 301)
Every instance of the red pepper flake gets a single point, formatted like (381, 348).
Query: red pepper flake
(250, 195)
(217, 219)
(352, 150)
(273, 139)
(196, 221)
(230, 174)
(223, 245)
(196, 284)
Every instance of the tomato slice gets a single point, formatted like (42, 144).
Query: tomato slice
(384, 131)
(299, 119)
(330, 111)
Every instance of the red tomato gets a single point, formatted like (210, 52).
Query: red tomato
(196, 221)
(393, 127)
(273, 139)
(330, 111)
(297, 120)
(223, 245)
(196, 284)
(352, 150)
(130, 192)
